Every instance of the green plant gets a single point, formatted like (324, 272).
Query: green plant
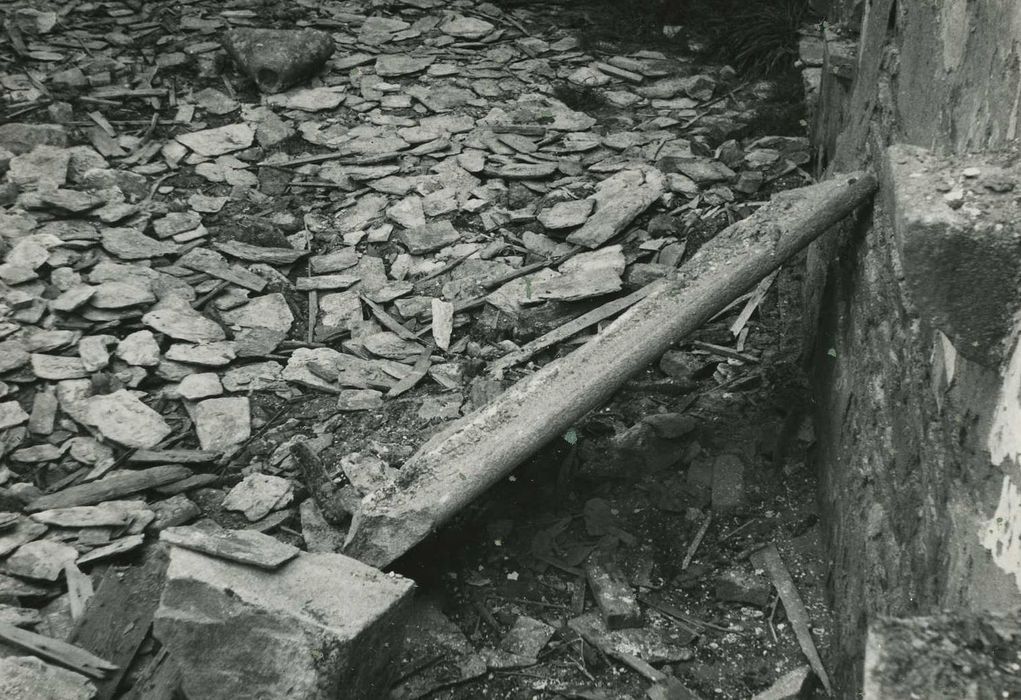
(755, 36)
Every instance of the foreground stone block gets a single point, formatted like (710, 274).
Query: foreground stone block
(29, 678)
(323, 626)
(944, 656)
(957, 233)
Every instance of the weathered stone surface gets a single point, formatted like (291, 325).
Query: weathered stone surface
(200, 386)
(40, 560)
(323, 626)
(432, 236)
(123, 418)
(567, 214)
(215, 354)
(30, 678)
(222, 423)
(21, 138)
(57, 367)
(11, 414)
(258, 495)
(276, 59)
(220, 140)
(396, 64)
(618, 200)
(43, 167)
(139, 348)
(129, 244)
(268, 311)
(175, 317)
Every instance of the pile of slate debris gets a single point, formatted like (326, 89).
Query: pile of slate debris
(197, 275)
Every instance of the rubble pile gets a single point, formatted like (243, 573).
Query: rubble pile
(191, 255)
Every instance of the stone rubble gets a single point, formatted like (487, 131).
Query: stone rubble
(160, 310)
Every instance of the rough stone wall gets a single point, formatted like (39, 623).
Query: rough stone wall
(919, 404)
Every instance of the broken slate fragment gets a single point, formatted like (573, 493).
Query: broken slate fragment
(24, 530)
(432, 236)
(612, 592)
(268, 311)
(396, 64)
(55, 367)
(567, 214)
(359, 400)
(123, 418)
(527, 637)
(40, 560)
(321, 626)
(110, 487)
(31, 678)
(223, 423)
(258, 253)
(258, 495)
(242, 546)
(129, 244)
(176, 318)
(308, 99)
(618, 200)
(140, 349)
(220, 140)
(469, 28)
(276, 59)
(11, 414)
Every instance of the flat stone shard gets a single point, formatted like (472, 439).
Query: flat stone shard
(29, 678)
(123, 418)
(276, 59)
(222, 423)
(618, 200)
(242, 546)
(322, 627)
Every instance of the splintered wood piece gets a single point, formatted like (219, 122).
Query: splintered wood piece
(569, 329)
(173, 457)
(62, 653)
(769, 559)
(79, 589)
(243, 546)
(117, 618)
(461, 462)
(110, 487)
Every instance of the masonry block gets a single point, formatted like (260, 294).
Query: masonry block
(957, 228)
(324, 626)
(944, 656)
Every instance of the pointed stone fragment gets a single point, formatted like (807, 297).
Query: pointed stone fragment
(222, 424)
(258, 495)
(176, 318)
(243, 546)
(123, 418)
(618, 200)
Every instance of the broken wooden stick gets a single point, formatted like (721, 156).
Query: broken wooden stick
(769, 559)
(461, 462)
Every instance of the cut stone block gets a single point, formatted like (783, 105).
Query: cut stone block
(958, 241)
(322, 627)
